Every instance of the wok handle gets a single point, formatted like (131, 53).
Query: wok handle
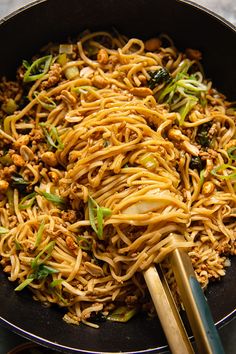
(197, 309)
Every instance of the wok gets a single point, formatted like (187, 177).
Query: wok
(21, 35)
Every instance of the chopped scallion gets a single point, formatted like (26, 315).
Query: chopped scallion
(38, 69)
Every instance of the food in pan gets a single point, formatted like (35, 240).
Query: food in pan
(108, 145)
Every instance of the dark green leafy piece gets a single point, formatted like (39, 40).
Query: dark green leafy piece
(42, 271)
(196, 163)
(202, 136)
(18, 182)
(158, 77)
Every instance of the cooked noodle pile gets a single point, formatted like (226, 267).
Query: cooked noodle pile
(108, 146)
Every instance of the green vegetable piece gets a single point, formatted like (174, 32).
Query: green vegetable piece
(10, 106)
(202, 135)
(158, 77)
(52, 136)
(3, 230)
(46, 102)
(122, 314)
(17, 245)
(39, 235)
(53, 198)
(38, 69)
(48, 250)
(83, 243)
(25, 283)
(91, 203)
(196, 163)
(18, 180)
(185, 109)
(231, 153)
(43, 271)
(6, 160)
(223, 168)
(96, 215)
(30, 198)
(55, 283)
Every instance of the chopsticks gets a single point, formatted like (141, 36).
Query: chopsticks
(198, 312)
(197, 309)
(167, 312)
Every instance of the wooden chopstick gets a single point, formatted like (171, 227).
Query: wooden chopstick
(167, 312)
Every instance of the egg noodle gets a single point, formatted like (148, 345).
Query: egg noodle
(108, 145)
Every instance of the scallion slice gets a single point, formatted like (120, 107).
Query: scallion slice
(38, 69)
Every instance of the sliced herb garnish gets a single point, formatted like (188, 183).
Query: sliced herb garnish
(53, 198)
(51, 134)
(122, 314)
(37, 69)
(46, 102)
(84, 243)
(39, 235)
(47, 250)
(3, 230)
(222, 168)
(96, 216)
(29, 199)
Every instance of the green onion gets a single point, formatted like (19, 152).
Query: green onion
(17, 245)
(231, 154)
(186, 108)
(148, 161)
(30, 198)
(71, 72)
(55, 283)
(3, 230)
(222, 168)
(42, 271)
(62, 59)
(96, 214)
(24, 284)
(84, 89)
(6, 160)
(10, 106)
(183, 92)
(52, 136)
(26, 64)
(10, 199)
(49, 104)
(84, 243)
(53, 198)
(39, 235)
(202, 177)
(48, 248)
(38, 69)
(122, 314)
(18, 180)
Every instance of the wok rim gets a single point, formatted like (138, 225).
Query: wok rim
(67, 349)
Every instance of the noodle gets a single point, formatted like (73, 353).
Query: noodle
(118, 144)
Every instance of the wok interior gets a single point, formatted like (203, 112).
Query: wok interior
(56, 20)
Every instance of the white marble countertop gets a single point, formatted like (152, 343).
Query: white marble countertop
(224, 8)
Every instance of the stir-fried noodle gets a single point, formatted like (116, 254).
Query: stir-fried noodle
(107, 147)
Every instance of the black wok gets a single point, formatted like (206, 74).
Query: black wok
(21, 35)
